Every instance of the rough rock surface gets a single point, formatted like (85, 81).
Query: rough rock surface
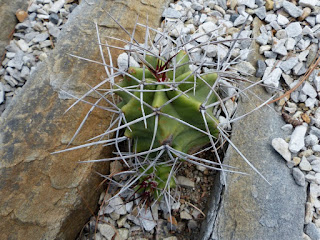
(247, 207)
(44, 196)
(8, 19)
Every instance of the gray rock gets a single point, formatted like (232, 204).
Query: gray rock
(278, 46)
(53, 30)
(275, 25)
(41, 37)
(298, 177)
(22, 45)
(261, 67)
(312, 231)
(311, 140)
(293, 29)
(292, 9)
(282, 147)
(171, 13)
(185, 215)
(308, 3)
(54, 18)
(1, 93)
(281, 34)
(25, 72)
(197, 6)
(185, 182)
(146, 219)
(122, 62)
(106, 230)
(305, 165)
(282, 20)
(239, 21)
(246, 68)
(291, 42)
(260, 207)
(289, 64)
(261, 12)
(57, 6)
(272, 78)
(309, 90)
(297, 139)
(208, 27)
(262, 39)
(271, 17)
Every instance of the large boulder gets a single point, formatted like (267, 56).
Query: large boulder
(247, 207)
(8, 20)
(45, 196)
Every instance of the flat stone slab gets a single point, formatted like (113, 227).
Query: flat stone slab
(45, 196)
(248, 207)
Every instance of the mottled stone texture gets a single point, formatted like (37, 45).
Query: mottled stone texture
(45, 196)
(8, 20)
(247, 207)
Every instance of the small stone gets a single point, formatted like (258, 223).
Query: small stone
(297, 138)
(41, 37)
(270, 18)
(309, 90)
(287, 128)
(289, 64)
(290, 43)
(282, 20)
(33, 7)
(185, 182)
(192, 225)
(185, 215)
(275, 25)
(25, 72)
(208, 27)
(308, 3)
(298, 177)
(1, 93)
(296, 160)
(261, 67)
(311, 140)
(261, 12)
(117, 205)
(54, 18)
(245, 67)
(305, 13)
(269, 5)
(308, 213)
(292, 9)
(123, 62)
(305, 165)
(282, 147)
(21, 15)
(281, 34)
(278, 46)
(293, 29)
(124, 233)
(171, 13)
(239, 21)
(262, 39)
(106, 230)
(312, 231)
(57, 6)
(272, 78)
(22, 45)
(147, 220)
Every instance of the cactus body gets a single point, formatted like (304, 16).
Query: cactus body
(169, 131)
(186, 107)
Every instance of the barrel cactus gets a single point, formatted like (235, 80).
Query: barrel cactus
(167, 105)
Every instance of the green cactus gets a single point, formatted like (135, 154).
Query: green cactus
(184, 107)
(169, 106)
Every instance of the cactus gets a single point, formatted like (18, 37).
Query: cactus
(165, 114)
